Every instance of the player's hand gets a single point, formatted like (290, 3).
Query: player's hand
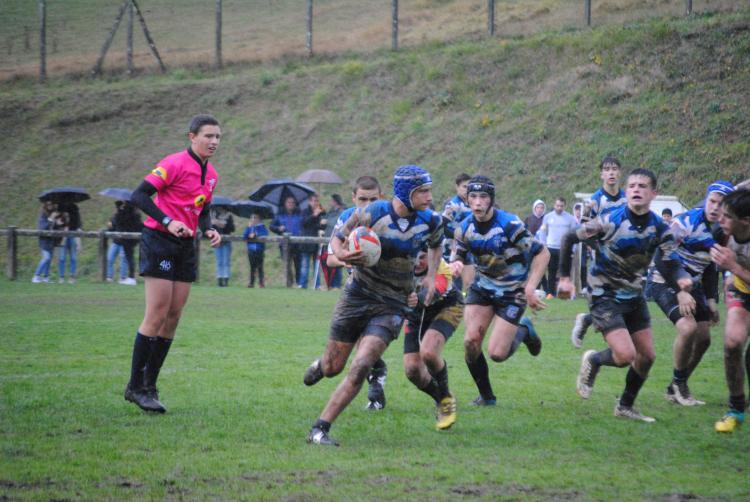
(564, 288)
(351, 258)
(214, 237)
(179, 229)
(714, 310)
(428, 285)
(685, 284)
(534, 302)
(456, 267)
(723, 256)
(412, 300)
(686, 303)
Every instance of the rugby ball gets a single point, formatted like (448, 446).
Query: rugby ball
(365, 240)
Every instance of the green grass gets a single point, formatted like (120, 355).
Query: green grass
(238, 412)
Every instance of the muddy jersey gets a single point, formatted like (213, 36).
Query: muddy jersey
(183, 187)
(503, 249)
(602, 202)
(625, 244)
(390, 280)
(742, 250)
(694, 237)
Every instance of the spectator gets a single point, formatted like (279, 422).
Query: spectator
(49, 219)
(222, 221)
(125, 219)
(255, 250)
(314, 221)
(533, 221)
(555, 225)
(578, 212)
(332, 275)
(70, 246)
(289, 220)
(666, 215)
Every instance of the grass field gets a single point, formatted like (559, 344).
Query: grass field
(238, 412)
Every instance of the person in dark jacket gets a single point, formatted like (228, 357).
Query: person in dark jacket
(222, 221)
(314, 222)
(125, 219)
(49, 219)
(289, 220)
(255, 250)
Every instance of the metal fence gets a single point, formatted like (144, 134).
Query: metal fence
(13, 234)
(90, 36)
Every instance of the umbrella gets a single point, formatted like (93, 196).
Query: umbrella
(220, 200)
(64, 194)
(276, 191)
(320, 176)
(246, 208)
(117, 193)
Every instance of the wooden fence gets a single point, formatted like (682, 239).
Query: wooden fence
(13, 233)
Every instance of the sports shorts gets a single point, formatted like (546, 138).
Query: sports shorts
(507, 308)
(736, 298)
(443, 318)
(165, 256)
(357, 315)
(666, 298)
(609, 314)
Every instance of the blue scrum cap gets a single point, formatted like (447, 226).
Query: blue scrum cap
(406, 180)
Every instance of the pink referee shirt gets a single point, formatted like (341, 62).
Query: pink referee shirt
(180, 193)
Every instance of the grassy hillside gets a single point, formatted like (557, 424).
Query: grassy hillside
(536, 112)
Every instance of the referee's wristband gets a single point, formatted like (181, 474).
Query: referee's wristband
(166, 221)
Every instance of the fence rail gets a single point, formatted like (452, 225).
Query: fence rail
(13, 233)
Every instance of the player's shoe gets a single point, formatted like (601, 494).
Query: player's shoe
(679, 393)
(145, 399)
(376, 388)
(583, 321)
(446, 413)
(531, 340)
(319, 436)
(730, 422)
(480, 401)
(313, 373)
(631, 413)
(586, 375)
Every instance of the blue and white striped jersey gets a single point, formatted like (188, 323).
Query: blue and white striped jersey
(601, 202)
(391, 278)
(625, 244)
(693, 234)
(503, 249)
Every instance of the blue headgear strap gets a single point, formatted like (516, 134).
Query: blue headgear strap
(721, 187)
(406, 180)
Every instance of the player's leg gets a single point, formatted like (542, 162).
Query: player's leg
(735, 336)
(478, 319)
(637, 373)
(331, 363)
(682, 352)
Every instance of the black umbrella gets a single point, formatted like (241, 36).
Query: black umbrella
(221, 201)
(64, 194)
(276, 191)
(117, 193)
(246, 208)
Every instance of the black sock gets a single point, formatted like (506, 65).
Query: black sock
(680, 375)
(633, 384)
(441, 377)
(379, 368)
(141, 353)
(432, 389)
(588, 319)
(160, 348)
(603, 358)
(323, 425)
(521, 333)
(737, 403)
(480, 372)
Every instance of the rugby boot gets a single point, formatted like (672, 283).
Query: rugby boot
(319, 436)
(144, 399)
(586, 375)
(632, 414)
(679, 393)
(730, 422)
(376, 388)
(446, 413)
(583, 321)
(531, 340)
(480, 401)
(313, 373)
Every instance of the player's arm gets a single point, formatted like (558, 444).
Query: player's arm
(710, 281)
(670, 267)
(726, 258)
(433, 262)
(141, 198)
(340, 236)
(565, 285)
(204, 223)
(536, 271)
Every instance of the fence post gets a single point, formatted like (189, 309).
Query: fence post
(102, 255)
(587, 9)
(12, 267)
(42, 40)
(394, 25)
(688, 7)
(286, 256)
(129, 50)
(218, 34)
(309, 28)
(491, 17)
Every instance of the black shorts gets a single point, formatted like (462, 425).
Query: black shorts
(443, 318)
(357, 315)
(666, 298)
(509, 309)
(609, 314)
(165, 256)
